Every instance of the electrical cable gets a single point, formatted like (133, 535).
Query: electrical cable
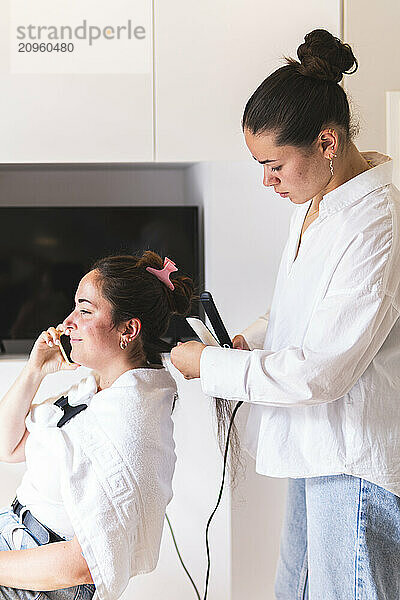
(180, 558)
(238, 405)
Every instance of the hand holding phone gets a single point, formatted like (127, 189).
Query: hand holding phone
(48, 355)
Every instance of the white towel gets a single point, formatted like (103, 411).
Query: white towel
(117, 460)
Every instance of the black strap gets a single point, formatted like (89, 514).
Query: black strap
(68, 410)
(42, 534)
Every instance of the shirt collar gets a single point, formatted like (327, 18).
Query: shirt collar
(352, 190)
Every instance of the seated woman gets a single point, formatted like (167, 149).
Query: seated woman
(89, 511)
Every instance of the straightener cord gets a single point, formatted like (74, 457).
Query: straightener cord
(238, 405)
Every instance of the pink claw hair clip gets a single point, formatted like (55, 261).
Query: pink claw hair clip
(164, 273)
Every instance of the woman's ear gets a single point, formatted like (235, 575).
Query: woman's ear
(328, 141)
(133, 328)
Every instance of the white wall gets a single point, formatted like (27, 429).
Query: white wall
(209, 55)
(373, 32)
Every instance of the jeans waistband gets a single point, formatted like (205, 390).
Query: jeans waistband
(43, 535)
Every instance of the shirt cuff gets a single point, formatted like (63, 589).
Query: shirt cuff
(223, 372)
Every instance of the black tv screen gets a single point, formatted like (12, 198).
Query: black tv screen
(44, 252)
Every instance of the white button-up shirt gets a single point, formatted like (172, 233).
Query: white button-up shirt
(324, 386)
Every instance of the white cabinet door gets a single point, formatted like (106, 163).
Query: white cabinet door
(210, 56)
(94, 104)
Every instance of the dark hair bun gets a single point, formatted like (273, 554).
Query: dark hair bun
(182, 295)
(179, 299)
(324, 56)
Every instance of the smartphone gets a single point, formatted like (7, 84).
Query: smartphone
(217, 324)
(66, 346)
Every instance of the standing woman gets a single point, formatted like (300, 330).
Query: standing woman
(322, 373)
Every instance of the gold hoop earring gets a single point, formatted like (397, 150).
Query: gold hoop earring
(123, 343)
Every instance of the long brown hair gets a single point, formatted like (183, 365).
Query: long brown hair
(223, 413)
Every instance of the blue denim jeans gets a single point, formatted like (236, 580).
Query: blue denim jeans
(340, 541)
(14, 536)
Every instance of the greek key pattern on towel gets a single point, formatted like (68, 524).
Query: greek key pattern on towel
(116, 477)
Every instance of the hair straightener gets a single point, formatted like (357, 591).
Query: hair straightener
(221, 337)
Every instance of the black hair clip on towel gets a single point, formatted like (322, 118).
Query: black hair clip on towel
(68, 410)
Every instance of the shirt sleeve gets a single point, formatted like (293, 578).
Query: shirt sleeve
(345, 332)
(255, 333)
